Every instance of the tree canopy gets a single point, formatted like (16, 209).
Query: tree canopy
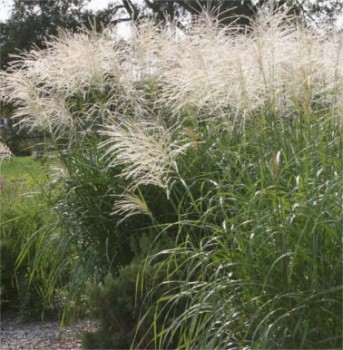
(33, 20)
(226, 11)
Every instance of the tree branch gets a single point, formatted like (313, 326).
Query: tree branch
(120, 20)
(131, 9)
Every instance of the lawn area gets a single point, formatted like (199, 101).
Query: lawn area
(21, 168)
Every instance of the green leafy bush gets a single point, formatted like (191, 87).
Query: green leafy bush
(114, 305)
(119, 302)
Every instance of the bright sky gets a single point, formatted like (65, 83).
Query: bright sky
(5, 7)
(98, 4)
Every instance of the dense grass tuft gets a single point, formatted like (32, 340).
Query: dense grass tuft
(224, 149)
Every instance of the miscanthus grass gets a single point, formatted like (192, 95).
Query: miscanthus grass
(148, 151)
(242, 135)
(81, 79)
(261, 266)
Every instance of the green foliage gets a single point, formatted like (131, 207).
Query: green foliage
(120, 302)
(23, 169)
(85, 207)
(86, 241)
(262, 266)
(82, 243)
(114, 305)
(23, 212)
(32, 21)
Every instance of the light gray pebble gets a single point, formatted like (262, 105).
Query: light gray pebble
(40, 335)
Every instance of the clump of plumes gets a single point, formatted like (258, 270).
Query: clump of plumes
(130, 204)
(5, 152)
(146, 150)
(279, 65)
(54, 88)
(81, 79)
(73, 62)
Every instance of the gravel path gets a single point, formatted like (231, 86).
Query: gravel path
(39, 335)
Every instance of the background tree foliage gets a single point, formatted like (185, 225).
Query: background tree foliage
(33, 20)
(240, 11)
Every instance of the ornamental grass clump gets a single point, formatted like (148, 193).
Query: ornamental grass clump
(265, 269)
(73, 84)
(279, 67)
(81, 79)
(226, 144)
(148, 152)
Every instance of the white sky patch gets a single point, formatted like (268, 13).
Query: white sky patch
(5, 10)
(95, 5)
(340, 22)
